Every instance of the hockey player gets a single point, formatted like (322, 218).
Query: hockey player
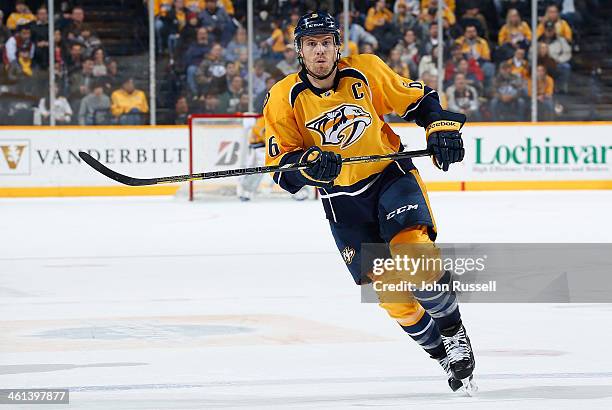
(247, 187)
(334, 107)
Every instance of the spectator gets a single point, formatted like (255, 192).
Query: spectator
(176, 21)
(89, 41)
(404, 17)
(559, 25)
(410, 52)
(379, 22)
(545, 88)
(353, 48)
(412, 6)
(366, 48)
(430, 39)
(452, 67)
(81, 81)
(228, 101)
(508, 103)
(72, 32)
(217, 22)
(427, 4)
(472, 15)
(5, 33)
(243, 103)
(194, 56)
(519, 64)
(74, 60)
(429, 62)
(261, 97)
(428, 15)
(20, 70)
(111, 80)
(232, 68)
(515, 32)
(161, 9)
(477, 48)
(128, 105)
(378, 17)
(99, 68)
(181, 111)
(210, 74)
(210, 104)
(396, 64)
(471, 77)
(289, 64)
(95, 107)
(59, 48)
(546, 60)
(522, 6)
(290, 27)
(22, 39)
(431, 80)
(274, 46)
(260, 76)
(21, 16)
(463, 98)
(40, 38)
(189, 33)
(61, 110)
(238, 43)
(560, 51)
(357, 33)
(195, 6)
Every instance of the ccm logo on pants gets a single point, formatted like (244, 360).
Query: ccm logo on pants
(401, 209)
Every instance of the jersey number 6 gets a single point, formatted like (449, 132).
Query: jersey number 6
(273, 149)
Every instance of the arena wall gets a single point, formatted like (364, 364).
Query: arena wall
(37, 161)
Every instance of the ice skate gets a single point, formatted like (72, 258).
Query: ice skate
(460, 357)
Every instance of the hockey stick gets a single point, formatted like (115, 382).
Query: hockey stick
(127, 180)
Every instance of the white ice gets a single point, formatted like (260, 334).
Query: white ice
(155, 303)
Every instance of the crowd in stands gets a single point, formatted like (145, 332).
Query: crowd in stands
(486, 70)
(89, 87)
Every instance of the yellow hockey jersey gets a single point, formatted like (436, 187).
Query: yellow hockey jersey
(256, 134)
(346, 119)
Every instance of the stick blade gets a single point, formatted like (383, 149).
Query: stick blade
(104, 170)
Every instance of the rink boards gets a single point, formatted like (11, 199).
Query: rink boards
(37, 161)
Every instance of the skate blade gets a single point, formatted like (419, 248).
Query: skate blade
(469, 387)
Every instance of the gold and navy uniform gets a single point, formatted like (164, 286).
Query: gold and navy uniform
(257, 134)
(348, 120)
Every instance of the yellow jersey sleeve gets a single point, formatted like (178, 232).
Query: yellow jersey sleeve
(390, 91)
(282, 135)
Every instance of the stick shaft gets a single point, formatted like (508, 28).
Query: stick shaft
(127, 180)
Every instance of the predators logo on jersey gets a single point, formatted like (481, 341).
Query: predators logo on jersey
(342, 126)
(348, 254)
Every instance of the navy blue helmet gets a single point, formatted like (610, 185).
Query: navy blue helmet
(312, 24)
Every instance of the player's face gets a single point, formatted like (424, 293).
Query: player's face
(319, 53)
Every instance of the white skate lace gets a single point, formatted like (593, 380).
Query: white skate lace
(456, 347)
(445, 365)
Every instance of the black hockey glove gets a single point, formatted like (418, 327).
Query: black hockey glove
(444, 139)
(324, 167)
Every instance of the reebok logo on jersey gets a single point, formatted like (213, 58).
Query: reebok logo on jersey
(401, 209)
(342, 126)
(348, 254)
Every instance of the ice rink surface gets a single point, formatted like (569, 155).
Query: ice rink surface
(155, 303)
